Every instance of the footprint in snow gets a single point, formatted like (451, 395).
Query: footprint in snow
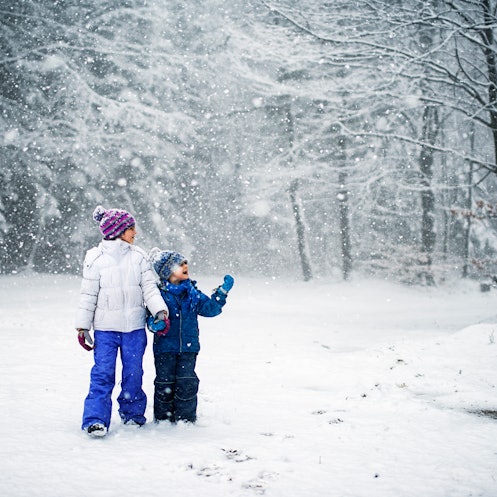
(236, 455)
(258, 485)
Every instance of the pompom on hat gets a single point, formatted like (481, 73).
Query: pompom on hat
(165, 262)
(113, 222)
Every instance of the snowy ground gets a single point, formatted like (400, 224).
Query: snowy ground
(360, 389)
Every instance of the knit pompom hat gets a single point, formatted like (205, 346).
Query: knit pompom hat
(113, 222)
(165, 262)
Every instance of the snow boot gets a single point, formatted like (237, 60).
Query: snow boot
(96, 430)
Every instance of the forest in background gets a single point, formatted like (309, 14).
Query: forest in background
(303, 138)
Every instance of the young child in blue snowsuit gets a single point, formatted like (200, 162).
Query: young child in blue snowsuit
(176, 348)
(117, 281)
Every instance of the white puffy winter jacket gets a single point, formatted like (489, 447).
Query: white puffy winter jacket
(117, 284)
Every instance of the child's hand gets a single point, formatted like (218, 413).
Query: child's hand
(163, 332)
(228, 284)
(160, 324)
(85, 339)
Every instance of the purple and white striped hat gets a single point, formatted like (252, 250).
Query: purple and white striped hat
(113, 222)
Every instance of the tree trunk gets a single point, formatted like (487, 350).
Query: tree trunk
(428, 235)
(343, 209)
(286, 107)
(469, 205)
(429, 132)
(490, 57)
(304, 260)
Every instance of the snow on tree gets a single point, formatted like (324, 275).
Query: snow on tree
(295, 138)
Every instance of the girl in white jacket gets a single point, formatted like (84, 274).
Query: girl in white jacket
(117, 284)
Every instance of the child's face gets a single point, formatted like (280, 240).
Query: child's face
(129, 235)
(180, 274)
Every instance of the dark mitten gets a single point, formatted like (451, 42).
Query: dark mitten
(159, 324)
(163, 332)
(85, 339)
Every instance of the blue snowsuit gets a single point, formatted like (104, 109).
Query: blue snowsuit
(175, 354)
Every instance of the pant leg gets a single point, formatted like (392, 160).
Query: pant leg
(165, 380)
(185, 394)
(132, 399)
(98, 403)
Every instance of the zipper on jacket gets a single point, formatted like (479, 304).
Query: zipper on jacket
(180, 331)
(179, 302)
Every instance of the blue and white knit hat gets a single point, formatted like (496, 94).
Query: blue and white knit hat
(113, 222)
(165, 262)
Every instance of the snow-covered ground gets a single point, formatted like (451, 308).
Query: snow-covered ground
(360, 389)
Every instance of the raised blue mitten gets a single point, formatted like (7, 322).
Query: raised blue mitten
(228, 284)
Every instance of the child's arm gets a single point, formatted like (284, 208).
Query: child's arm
(210, 307)
(151, 293)
(90, 286)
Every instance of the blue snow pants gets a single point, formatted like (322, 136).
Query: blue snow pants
(176, 387)
(132, 399)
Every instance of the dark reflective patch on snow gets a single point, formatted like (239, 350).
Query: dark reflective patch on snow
(487, 413)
